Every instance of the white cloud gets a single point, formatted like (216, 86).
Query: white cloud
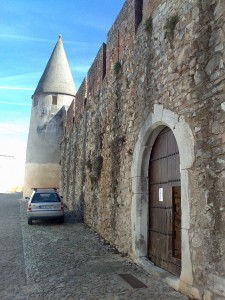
(16, 88)
(25, 38)
(13, 147)
(15, 103)
(12, 128)
(8, 148)
(35, 39)
(18, 79)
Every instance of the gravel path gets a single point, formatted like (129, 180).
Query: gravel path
(12, 272)
(70, 261)
(49, 260)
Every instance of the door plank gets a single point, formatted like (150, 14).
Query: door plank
(165, 215)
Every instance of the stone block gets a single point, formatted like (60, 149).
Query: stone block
(139, 185)
(185, 199)
(186, 273)
(216, 284)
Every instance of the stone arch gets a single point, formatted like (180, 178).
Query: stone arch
(155, 122)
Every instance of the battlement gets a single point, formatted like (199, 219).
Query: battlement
(96, 72)
(117, 38)
(80, 100)
(70, 114)
(149, 7)
(120, 42)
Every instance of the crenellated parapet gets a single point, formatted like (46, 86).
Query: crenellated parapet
(70, 114)
(97, 72)
(111, 57)
(149, 7)
(80, 101)
(119, 36)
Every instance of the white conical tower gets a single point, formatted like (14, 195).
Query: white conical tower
(54, 93)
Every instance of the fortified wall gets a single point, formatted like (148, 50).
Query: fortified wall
(162, 65)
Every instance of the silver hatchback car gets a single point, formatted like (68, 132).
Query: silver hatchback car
(45, 204)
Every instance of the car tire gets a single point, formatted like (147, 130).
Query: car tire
(29, 221)
(61, 220)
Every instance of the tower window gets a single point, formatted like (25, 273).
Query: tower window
(54, 100)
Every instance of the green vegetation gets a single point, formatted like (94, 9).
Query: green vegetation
(117, 67)
(148, 25)
(170, 27)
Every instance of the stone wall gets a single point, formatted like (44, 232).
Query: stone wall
(149, 7)
(177, 62)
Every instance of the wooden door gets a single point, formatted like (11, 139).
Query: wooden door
(164, 248)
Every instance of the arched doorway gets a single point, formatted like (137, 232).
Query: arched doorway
(156, 121)
(164, 242)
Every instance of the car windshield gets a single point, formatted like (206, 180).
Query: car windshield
(45, 197)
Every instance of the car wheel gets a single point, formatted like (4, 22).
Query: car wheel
(30, 221)
(62, 220)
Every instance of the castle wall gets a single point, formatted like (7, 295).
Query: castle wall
(170, 74)
(71, 149)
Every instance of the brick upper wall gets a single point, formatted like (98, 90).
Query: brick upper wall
(121, 36)
(97, 72)
(120, 42)
(149, 7)
(80, 99)
(70, 116)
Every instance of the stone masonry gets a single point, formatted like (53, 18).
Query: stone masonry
(165, 60)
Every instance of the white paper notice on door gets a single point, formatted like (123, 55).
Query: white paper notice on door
(161, 194)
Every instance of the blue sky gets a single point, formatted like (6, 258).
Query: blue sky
(29, 31)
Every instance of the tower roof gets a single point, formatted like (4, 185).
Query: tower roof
(57, 76)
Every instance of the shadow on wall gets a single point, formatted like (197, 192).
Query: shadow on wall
(47, 129)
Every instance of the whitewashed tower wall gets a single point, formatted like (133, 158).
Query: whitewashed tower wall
(53, 95)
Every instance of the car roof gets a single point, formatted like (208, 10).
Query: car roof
(45, 190)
